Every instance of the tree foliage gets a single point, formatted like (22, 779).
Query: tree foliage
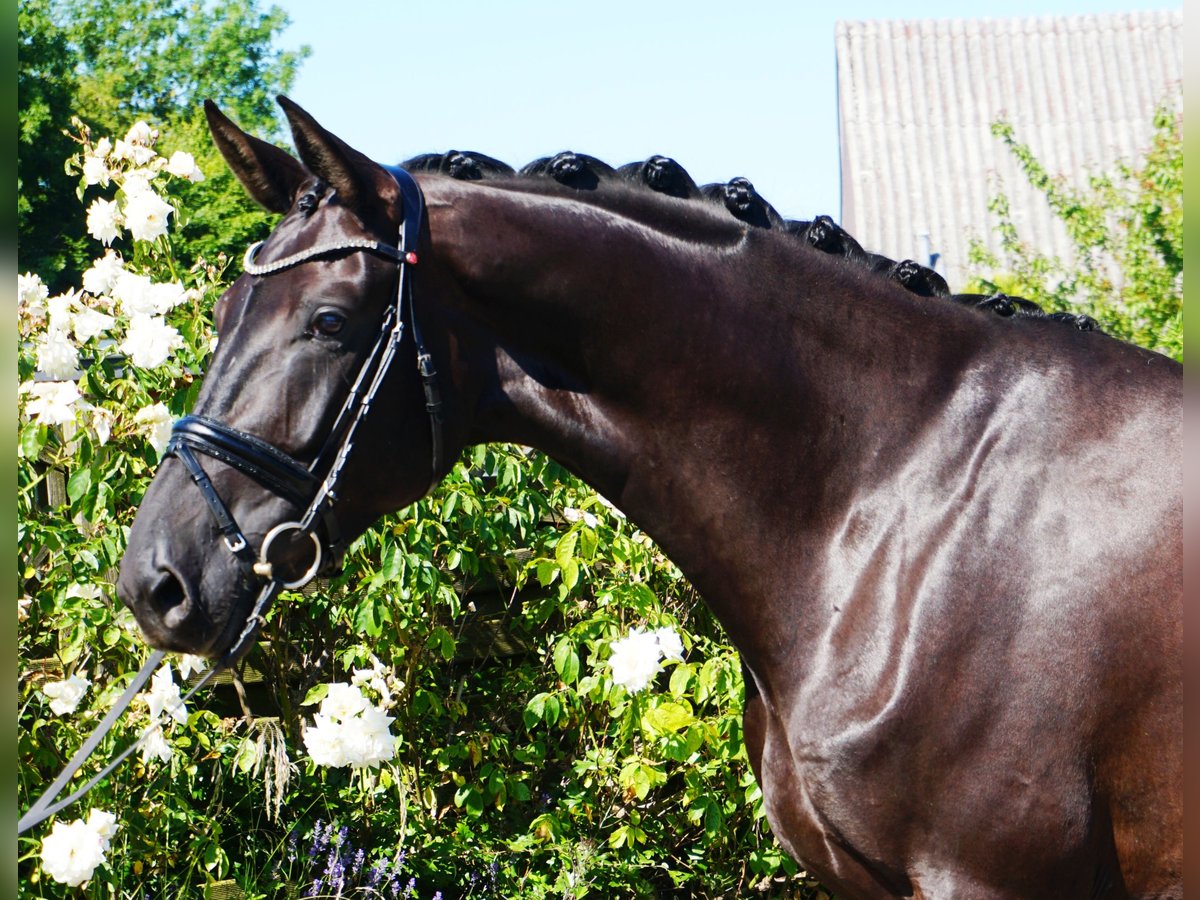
(1126, 230)
(114, 62)
(46, 91)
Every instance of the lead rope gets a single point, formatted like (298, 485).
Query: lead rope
(46, 805)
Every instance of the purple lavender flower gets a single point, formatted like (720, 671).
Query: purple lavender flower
(293, 839)
(341, 835)
(410, 887)
(376, 875)
(359, 857)
(316, 844)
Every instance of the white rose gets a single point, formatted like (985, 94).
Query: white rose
(95, 171)
(99, 279)
(163, 696)
(140, 133)
(571, 514)
(183, 165)
(324, 742)
(64, 696)
(85, 591)
(146, 216)
(103, 148)
(367, 738)
(135, 184)
(343, 701)
(133, 293)
(149, 341)
(102, 422)
(635, 660)
(188, 663)
(53, 402)
(57, 357)
(90, 323)
(669, 643)
(58, 309)
(154, 744)
(72, 852)
(166, 295)
(349, 731)
(157, 422)
(104, 824)
(32, 294)
(104, 220)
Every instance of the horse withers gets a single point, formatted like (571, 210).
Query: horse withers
(963, 656)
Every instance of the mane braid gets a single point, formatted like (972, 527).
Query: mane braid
(737, 197)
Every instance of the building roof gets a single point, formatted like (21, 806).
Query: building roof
(916, 100)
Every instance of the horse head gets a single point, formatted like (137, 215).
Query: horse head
(306, 340)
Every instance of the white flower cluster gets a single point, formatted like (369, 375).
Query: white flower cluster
(637, 658)
(164, 704)
(349, 730)
(379, 678)
(73, 850)
(133, 164)
(115, 307)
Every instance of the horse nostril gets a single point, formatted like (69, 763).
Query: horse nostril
(170, 601)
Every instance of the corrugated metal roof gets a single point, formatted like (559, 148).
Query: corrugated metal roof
(916, 101)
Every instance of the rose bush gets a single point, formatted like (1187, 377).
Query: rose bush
(508, 691)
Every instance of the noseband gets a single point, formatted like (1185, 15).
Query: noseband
(314, 486)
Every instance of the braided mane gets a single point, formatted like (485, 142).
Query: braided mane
(738, 197)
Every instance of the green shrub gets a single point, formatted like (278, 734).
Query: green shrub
(481, 620)
(1126, 230)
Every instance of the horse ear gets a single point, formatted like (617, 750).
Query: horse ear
(362, 184)
(270, 175)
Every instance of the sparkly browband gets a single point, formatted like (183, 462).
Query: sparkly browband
(287, 262)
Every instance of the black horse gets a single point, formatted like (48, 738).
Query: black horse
(946, 542)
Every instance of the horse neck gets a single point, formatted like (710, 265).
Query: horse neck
(726, 393)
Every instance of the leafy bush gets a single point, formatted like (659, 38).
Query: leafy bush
(481, 621)
(1126, 229)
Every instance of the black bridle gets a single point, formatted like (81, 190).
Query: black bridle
(313, 486)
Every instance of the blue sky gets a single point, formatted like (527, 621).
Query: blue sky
(726, 88)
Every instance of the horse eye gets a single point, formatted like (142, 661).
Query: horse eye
(328, 323)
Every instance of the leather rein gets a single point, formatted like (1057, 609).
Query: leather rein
(300, 484)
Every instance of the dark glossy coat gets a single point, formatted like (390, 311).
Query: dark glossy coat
(946, 543)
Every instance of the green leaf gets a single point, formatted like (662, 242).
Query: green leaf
(534, 709)
(369, 617)
(570, 574)
(547, 571)
(588, 543)
(681, 679)
(33, 439)
(246, 756)
(564, 550)
(566, 661)
(470, 798)
(78, 484)
(668, 717)
(315, 695)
